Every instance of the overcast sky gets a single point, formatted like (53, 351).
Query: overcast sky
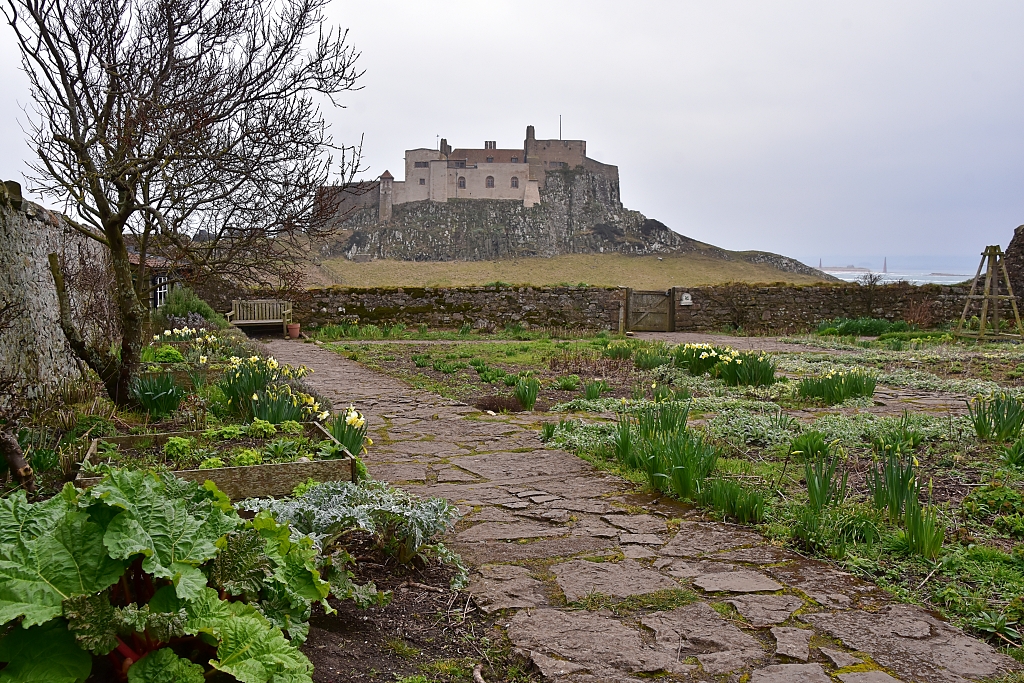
(842, 131)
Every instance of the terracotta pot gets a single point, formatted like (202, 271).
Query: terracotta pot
(293, 330)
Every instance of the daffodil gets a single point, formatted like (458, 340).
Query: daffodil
(156, 337)
(369, 441)
(352, 418)
(202, 360)
(255, 397)
(167, 333)
(324, 415)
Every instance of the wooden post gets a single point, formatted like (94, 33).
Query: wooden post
(671, 322)
(994, 265)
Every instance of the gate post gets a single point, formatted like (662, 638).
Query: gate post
(671, 322)
(624, 310)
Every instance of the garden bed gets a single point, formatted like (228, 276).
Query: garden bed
(246, 481)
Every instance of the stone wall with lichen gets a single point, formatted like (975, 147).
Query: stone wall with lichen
(36, 347)
(777, 308)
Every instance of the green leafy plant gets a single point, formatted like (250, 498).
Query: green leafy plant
(996, 624)
(247, 457)
(998, 417)
(746, 369)
(809, 446)
(826, 485)
(922, 532)
(861, 327)
(282, 450)
(697, 359)
(291, 427)
(1011, 525)
(146, 561)
(350, 430)
(744, 505)
(568, 383)
(1013, 455)
(593, 390)
(261, 429)
(677, 462)
(992, 499)
(837, 386)
(158, 395)
(891, 483)
(177, 447)
(401, 524)
(161, 354)
(421, 360)
(618, 351)
(212, 463)
(225, 433)
(525, 391)
(547, 431)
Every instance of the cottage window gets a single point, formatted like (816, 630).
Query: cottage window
(462, 183)
(490, 160)
(160, 293)
(515, 182)
(423, 181)
(489, 182)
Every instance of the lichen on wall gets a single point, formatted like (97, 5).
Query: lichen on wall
(36, 347)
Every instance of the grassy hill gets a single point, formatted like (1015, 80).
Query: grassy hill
(610, 269)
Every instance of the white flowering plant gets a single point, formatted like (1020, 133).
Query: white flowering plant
(349, 428)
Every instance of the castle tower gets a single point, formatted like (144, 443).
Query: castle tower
(386, 200)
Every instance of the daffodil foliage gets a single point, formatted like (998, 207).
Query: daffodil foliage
(141, 563)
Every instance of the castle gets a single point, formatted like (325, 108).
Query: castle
(439, 175)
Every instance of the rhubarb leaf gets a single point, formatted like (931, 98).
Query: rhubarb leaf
(43, 654)
(175, 535)
(163, 666)
(254, 653)
(39, 572)
(92, 620)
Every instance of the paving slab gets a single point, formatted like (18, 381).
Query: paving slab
(640, 539)
(505, 586)
(914, 644)
(596, 641)
(827, 586)
(868, 677)
(579, 578)
(698, 630)
(637, 524)
(700, 538)
(496, 531)
(740, 581)
(793, 642)
(790, 673)
(766, 554)
(839, 658)
(766, 610)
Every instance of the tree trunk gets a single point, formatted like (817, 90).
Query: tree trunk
(20, 469)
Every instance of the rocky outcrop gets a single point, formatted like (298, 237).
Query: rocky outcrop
(579, 213)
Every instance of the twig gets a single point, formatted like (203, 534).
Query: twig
(930, 574)
(478, 674)
(423, 586)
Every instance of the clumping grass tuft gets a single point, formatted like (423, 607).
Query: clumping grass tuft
(838, 386)
(526, 391)
(593, 390)
(998, 417)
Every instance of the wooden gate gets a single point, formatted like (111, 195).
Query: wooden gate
(650, 311)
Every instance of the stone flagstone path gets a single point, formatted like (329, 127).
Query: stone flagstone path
(541, 527)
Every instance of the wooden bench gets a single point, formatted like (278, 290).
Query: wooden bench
(260, 312)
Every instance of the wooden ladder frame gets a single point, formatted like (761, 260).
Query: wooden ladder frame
(993, 262)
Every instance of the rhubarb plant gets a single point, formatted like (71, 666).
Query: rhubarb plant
(143, 569)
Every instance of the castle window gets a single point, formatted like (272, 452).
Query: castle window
(515, 160)
(515, 182)
(462, 183)
(460, 163)
(421, 164)
(423, 181)
(490, 181)
(490, 160)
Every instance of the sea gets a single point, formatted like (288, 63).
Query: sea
(914, 277)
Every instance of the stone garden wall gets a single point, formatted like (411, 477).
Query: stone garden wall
(788, 308)
(482, 307)
(36, 347)
(761, 308)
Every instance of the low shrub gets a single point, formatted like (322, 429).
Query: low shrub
(177, 447)
(158, 395)
(993, 499)
(181, 301)
(837, 386)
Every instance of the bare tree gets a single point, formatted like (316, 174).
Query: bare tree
(186, 129)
